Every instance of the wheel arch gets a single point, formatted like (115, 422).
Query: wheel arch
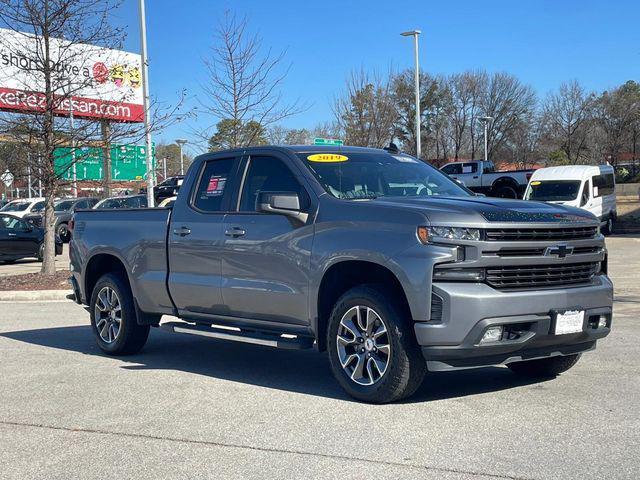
(343, 275)
(99, 265)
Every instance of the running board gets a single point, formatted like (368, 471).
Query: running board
(291, 342)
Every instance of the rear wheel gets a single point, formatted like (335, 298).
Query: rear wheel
(372, 349)
(113, 317)
(506, 192)
(545, 367)
(63, 232)
(40, 254)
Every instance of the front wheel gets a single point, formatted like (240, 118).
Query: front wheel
(608, 228)
(373, 352)
(544, 367)
(113, 317)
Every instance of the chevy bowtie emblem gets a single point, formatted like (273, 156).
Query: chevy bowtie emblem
(560, 251)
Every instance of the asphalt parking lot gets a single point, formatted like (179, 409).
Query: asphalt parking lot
(195, 408)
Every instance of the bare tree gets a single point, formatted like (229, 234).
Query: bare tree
(507, 101)
(366, 112)
(49, 41)
(244, 88)
(568, 117)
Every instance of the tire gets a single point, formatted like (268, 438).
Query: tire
(63, 232)
(608, 228)
(506, 192)
(129, 337)
(405, 366)
(40, 254)
(544, 367)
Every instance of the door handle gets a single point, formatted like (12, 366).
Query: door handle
(182, 231)
(235, 232)
(475, 176)
(12, 234)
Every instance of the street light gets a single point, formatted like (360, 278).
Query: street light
(180, 143)
(414, 34)
(485, 121)
(145, 101)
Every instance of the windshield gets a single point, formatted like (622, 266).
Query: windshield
(356, 176)
(553, 190)
(64, 205)
(15, 207)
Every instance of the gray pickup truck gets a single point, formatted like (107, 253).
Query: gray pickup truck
(373, 256)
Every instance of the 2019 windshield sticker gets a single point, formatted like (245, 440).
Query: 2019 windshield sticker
(327, 158)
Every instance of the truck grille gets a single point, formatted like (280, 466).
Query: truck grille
(533, 234)
(538, 252)
(536, 276)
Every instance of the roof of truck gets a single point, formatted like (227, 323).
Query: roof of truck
(570, 172)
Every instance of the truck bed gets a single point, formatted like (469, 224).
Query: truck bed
(139, 238)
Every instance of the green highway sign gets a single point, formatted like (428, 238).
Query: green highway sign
(128, 162)
(328, 141)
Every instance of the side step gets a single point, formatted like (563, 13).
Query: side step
(291, 342)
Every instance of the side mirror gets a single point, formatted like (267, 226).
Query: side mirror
(480, 195)
(28, 228)
(282, 203)
(459, 182)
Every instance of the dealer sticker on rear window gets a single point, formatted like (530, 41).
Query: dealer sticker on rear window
(215, 187)
(327, 158)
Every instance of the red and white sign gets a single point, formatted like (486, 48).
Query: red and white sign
(93, 82)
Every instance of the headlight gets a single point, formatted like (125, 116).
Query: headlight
(425, 234)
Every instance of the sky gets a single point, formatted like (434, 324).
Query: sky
(542, 42)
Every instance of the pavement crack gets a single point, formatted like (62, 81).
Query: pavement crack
(262, 449)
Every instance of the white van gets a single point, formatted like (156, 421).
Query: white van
(590, 187)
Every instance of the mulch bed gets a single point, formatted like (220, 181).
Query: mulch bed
(36, 281)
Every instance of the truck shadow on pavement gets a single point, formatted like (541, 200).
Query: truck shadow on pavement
(296, 371)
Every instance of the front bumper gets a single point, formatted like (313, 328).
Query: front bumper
(469, 309)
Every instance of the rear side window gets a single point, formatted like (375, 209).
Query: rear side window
(469, 167)
(603, 185)
(213, 185)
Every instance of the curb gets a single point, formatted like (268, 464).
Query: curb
(34, 295)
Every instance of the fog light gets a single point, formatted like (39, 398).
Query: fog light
(602, 321)
(493, 334)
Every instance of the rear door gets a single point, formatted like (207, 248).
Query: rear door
(195, 239)
(265, 257)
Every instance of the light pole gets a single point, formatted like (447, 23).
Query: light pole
(181, 143)
(485, 121)
(414, 34)
(145, 94)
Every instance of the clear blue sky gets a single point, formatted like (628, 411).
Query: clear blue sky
(542, 42)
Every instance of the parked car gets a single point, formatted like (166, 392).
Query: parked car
(20, 239)
(590, 187)
(127, 201)
(168, 188)
(3, 202)
(377, 258)
(63, 211)
(24, 206)
(482, 177)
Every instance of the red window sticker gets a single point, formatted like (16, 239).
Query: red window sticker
(215, 187)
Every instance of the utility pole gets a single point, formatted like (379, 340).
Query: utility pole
(414, 34)
(485, 122)
(145, 93)
(181, 143)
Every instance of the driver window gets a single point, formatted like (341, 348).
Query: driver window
(585, 194)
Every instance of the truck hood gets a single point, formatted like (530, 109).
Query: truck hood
(480, 210)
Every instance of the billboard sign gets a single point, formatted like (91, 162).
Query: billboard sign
(94, 82)
(128, 162)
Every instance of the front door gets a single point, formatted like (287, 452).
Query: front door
(19, 239)
(195, 240)
(265, 260)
